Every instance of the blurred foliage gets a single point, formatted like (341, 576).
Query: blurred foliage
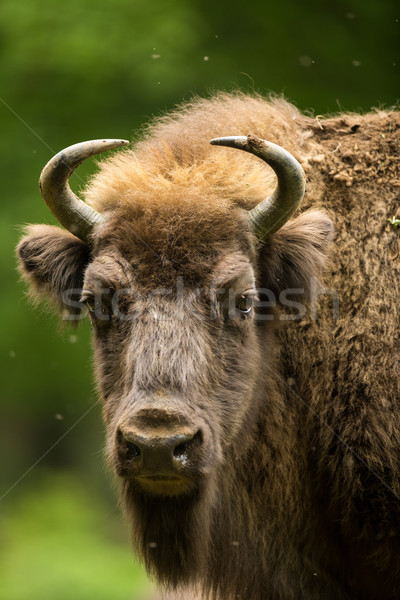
(81, 70)
(60, 541)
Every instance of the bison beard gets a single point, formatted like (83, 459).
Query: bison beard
(171, 534)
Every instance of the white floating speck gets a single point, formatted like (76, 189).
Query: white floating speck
(305, 61)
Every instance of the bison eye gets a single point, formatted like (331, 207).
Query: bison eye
(97, 306)
(245, 304)
(91, 304)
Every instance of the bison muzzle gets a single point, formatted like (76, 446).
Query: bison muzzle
(160, 450)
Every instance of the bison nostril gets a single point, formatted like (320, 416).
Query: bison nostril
(126, 447)
(131, 450)
(182, 450)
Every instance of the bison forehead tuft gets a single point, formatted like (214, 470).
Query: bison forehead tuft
(175, 160)
(185, 240)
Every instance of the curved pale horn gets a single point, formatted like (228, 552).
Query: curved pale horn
(273, 212)
(69, 210)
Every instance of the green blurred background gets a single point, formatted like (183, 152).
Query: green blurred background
(77, 70)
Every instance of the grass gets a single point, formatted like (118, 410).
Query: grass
(59, 541)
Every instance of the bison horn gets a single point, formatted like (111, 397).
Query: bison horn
(273, 212)
(69, 210)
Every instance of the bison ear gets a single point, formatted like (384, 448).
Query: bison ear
(53, 262)
(295, 256)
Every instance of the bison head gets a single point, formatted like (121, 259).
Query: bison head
(179, 288)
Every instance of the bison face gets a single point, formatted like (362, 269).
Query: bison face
(176, 366)
(183, 355)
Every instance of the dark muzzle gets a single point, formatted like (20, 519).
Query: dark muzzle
(161, 450)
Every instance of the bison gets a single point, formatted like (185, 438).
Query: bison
(248, 362)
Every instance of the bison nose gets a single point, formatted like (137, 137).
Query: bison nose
(151, 453)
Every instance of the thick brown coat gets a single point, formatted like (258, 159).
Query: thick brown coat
(302, 499)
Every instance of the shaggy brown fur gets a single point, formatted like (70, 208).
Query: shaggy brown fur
(297, 494)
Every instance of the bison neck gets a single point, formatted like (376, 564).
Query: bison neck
(253, 514)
